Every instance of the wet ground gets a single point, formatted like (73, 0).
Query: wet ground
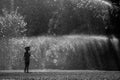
(59, 75)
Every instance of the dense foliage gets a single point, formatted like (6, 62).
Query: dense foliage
(66, 16)
(12, 24)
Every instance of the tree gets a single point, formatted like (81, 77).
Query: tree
(12, 24)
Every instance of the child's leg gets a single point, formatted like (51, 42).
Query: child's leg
(27, 68)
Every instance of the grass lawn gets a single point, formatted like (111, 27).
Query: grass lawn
(59, 75)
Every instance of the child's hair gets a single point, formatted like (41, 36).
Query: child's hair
(27, 48)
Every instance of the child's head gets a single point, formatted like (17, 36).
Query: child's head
(27, 48)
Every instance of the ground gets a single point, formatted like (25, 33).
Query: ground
(59, 75)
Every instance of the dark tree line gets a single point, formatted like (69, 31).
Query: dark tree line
(66, 17)
(115, 18)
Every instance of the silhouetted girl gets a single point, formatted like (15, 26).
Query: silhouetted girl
(27, 59)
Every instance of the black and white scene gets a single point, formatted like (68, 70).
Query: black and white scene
(59, 40)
